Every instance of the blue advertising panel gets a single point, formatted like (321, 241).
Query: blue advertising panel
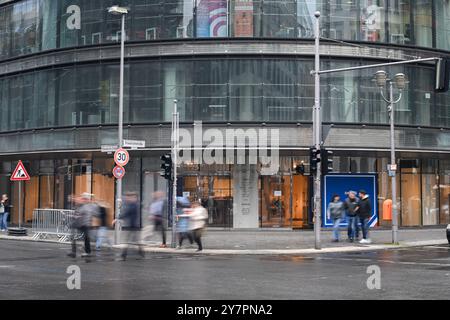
(342, 183)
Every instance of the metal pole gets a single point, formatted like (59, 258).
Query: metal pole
(393, 177)
(119, 181)
(174, 176)
(20, 204)
(317, 134)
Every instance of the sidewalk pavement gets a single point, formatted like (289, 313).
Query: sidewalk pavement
(284, 241)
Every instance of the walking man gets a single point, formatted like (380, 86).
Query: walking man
(82, 223)
(364, 212)
(130, 217)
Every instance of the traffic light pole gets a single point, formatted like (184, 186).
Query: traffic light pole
(317, 125)
(175, 138)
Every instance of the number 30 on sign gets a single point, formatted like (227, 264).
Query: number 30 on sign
(121, 157)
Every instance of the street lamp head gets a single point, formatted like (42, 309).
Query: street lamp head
(400, 81)
(381, 78)
(317, 14)
(116, 10)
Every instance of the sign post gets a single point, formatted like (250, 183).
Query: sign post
(19, 174)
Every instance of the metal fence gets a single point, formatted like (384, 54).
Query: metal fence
(53, 222)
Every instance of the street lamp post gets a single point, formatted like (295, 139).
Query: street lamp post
(116, 10)
(317, 134)
(400, 82)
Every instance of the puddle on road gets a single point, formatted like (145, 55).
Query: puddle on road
(288, 258)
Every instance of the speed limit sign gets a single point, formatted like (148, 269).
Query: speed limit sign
(121, 157)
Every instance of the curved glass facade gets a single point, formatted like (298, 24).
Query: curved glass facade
(220, 90)
(31, 26)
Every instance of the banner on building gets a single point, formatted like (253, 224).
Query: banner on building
(340, 184)
(212, 18)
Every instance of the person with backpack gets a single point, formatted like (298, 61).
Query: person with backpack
(335, 212)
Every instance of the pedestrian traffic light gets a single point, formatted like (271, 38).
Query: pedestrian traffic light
(166, 166)
(327, 161)
(442, 71)
(300, 168)
(314, 159)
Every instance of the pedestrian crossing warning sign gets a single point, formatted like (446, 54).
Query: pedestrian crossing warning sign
(20, 173)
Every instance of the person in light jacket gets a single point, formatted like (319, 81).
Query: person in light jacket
(335, 212)
(197, 223)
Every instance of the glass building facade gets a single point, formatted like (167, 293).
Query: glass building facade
(59, 82)
(32, 26)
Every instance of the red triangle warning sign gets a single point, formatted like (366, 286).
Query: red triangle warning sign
(20, 173)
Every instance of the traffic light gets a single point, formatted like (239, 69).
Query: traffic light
(327, 161)
(166, 166)
(300, 168)
(314, 159)
(442, 71)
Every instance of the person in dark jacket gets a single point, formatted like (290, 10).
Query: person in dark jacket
(364, 212)
(4, 212)
(130, 217)
(350, 205)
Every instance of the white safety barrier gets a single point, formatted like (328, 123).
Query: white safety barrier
(53, 222)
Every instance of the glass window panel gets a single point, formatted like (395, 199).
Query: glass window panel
(145, 92)
(211, 90)
(399, 20)
(430, 192)
(245, 90)
(442, 20)
(410, 193)
(423, 23)
(178, 19)
(279, 19)
(147, 20)
(444, 187)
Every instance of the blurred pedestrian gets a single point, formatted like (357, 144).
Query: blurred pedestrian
(102, 231)
(157, 209)
(364, 212)
(197, 223)
(130, 217)
(335, 212)
(350, 205)
(183, 217)
(4, 212)
(81, 222)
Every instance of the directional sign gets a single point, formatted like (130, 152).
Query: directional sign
(118, 172)
(134, 144)
(20, 173)
(121, 157)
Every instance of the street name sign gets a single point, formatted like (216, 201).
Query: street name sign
(134, 144)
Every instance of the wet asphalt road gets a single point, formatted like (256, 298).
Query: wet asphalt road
(30, 270)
